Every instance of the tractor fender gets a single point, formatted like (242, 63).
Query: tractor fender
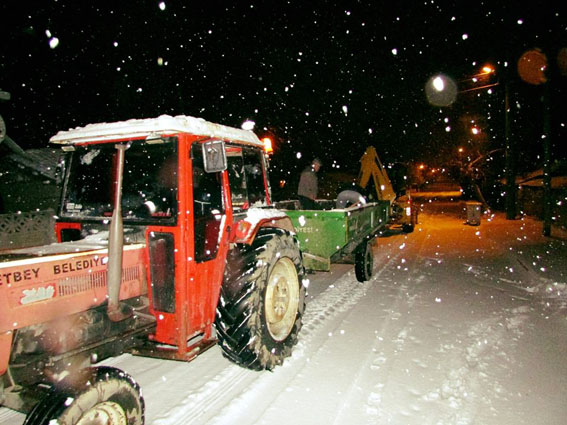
(245, 230)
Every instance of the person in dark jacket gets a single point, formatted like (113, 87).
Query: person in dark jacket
(309, 186)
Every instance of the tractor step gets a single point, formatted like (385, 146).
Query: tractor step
(171, 352)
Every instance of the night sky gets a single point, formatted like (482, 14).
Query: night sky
(322, 78)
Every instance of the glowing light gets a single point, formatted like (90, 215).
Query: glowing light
(441, 90)
(53, 42)
(268, 145)
(438, 83)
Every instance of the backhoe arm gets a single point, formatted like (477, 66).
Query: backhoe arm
(371, 167)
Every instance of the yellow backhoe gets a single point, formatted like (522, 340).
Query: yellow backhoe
(374, 179)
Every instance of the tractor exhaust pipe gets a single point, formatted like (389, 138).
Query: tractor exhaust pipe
(115, 311)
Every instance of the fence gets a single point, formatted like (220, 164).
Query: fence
(531, 201)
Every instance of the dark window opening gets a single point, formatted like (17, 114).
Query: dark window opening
(149, 189)
(246, 177)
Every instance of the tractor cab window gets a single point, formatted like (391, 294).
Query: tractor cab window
(208, 208)
(246, 177)
(149, 189)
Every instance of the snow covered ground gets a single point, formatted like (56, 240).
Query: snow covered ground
(459, 325)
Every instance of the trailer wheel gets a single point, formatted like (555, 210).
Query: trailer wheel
(104, 396)
(262, 301)
(364, 262)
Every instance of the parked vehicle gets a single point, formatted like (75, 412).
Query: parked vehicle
(167, 243)
(345, 228)
(339, 234)
(375, 183)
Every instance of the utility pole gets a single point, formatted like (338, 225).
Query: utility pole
(547, 195)
(510, 156)
(531, 67)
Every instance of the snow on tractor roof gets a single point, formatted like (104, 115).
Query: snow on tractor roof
(165, 124)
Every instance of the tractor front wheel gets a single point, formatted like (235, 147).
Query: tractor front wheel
(101, 396)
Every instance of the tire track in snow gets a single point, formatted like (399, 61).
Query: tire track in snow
(208, 388)
(215, 402)
(198, 406)
(8, 416)
(374, 371)
(322, 316)
(336, 300)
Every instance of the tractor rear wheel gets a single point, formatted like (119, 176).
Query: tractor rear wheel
(102, 396)
(262, 301)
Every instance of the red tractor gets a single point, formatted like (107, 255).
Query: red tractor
(167, 244)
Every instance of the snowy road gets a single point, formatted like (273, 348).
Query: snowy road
(459, 325)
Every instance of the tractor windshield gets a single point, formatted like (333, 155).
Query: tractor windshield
(149, 190)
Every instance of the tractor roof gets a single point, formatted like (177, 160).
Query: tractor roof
(153, 127)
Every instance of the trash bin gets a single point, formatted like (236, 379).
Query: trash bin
(474, 210)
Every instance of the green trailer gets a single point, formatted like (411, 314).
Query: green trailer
(338, 235)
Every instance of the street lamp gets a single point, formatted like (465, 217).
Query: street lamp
(510, 155)
(484, 75)
(442, 91)
(485, 71)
